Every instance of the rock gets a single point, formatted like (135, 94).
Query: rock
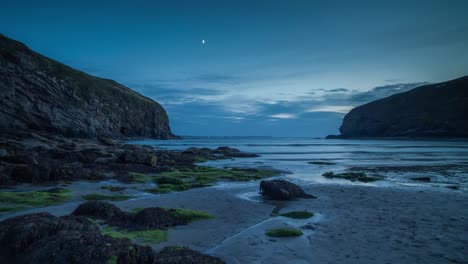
(4, 179)
(179, 255)
(434, 111)
(43, 238)
(98, 209)
(154, 218)
(282, 190)
(42, 95)
(106, 141)
(148, 218)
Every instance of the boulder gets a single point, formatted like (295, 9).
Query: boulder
(155, 218)
(98, 209)
(282, 190)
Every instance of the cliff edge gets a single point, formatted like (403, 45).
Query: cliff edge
(40, 94)
(429, 111)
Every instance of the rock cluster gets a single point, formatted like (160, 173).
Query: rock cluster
(147, 218)
(43, 157)
(44, 238)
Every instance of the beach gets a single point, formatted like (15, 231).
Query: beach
(352, 224)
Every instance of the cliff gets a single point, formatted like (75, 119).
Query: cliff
(436, 111)
(40, 94)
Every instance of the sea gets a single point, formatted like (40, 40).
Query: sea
(401, 163)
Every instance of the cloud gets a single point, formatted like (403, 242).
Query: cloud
(284, 116)
(331, 108)
(222, 107)
(383, 91)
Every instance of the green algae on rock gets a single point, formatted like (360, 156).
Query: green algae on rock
(184, 179)
(14, 201)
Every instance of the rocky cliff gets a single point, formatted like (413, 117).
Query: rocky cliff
(437, 111)
(40, 94)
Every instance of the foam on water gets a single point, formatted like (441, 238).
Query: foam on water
(446, 162)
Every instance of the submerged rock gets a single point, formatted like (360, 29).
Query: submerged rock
(282, 190)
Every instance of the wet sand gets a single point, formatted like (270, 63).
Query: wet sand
(352, 224)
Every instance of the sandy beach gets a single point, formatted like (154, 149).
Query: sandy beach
(352, 224)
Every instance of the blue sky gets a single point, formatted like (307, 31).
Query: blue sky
(272, 68)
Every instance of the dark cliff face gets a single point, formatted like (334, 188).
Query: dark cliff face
(40, 94)
(436, 110)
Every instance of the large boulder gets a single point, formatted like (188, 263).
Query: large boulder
(282, 190)
(98, 209)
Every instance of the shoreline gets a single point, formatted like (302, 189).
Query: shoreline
(362, 224)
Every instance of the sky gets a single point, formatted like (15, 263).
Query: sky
(266, 68)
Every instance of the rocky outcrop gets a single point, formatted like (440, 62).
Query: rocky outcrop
(147, 218)
(46, 158)
(44, 238)
(434, 111)
(40, 94)
(282, 190)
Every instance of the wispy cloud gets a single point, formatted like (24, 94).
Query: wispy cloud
(284, 116)
(331, 108)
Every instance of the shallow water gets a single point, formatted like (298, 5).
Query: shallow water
(446, 162)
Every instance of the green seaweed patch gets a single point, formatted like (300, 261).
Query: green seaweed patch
(351, 176)
(184, 179)
(96, 197)
(189, 215)
(422, 179)
(14, 201)
(138, 177)
(284, 232)
(298, 214)
(151, 236)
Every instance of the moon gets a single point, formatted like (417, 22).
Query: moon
(203, 41)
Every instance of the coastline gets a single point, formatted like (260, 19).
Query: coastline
(351, 224)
